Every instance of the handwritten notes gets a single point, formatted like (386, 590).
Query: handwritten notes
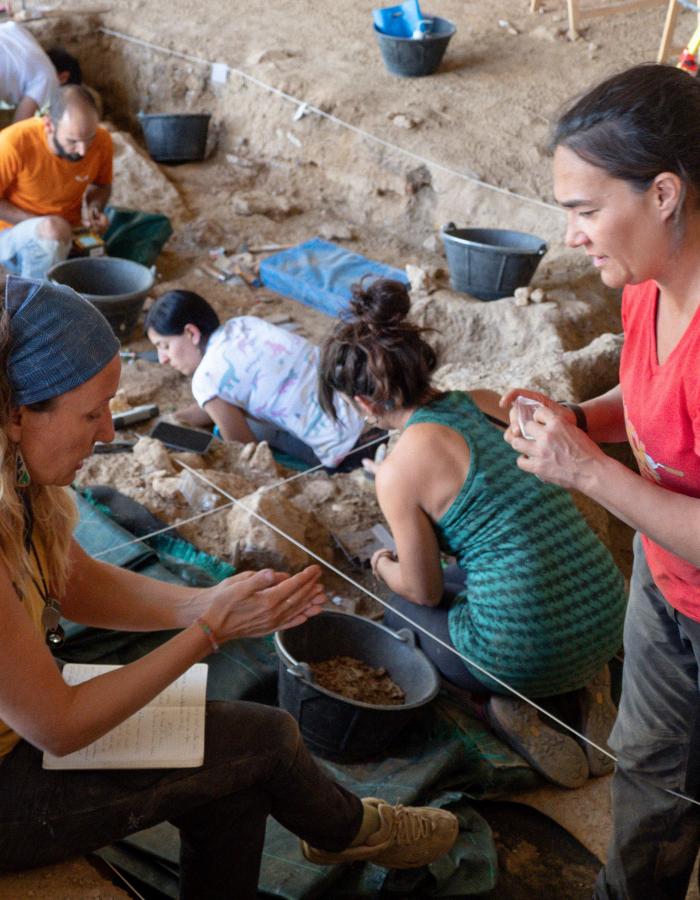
(167, 733)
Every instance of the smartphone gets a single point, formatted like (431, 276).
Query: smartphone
(177, 437)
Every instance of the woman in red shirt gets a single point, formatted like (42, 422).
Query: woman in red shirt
(627, 170)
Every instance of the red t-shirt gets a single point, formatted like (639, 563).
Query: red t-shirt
(662, 417)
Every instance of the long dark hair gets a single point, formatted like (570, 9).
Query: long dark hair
(173, 311)
(375, 352)
(636, 124)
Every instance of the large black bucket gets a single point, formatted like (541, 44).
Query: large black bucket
(334, 726)
(410, 57)
(177, 137)
(490, 263)
(117, 287)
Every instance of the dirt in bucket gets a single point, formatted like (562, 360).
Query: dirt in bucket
(356, 680)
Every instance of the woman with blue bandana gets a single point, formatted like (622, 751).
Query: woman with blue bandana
(59, 367)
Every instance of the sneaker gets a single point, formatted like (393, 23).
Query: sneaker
(598, 714)
(556, 756)
(408, 837)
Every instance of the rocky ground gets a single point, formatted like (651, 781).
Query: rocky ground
(273, 177)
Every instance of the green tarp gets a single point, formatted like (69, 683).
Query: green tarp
(445, 757)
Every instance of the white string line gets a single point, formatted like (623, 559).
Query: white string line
(309, 107)
(146, 537)
(419, 627)
(209, 512)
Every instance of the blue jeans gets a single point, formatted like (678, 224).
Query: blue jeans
(25, 253)
(657, 741)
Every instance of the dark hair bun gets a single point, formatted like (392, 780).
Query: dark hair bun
(382, 302)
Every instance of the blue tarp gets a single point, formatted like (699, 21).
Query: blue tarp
(321, 274)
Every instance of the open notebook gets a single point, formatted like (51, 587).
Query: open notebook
(167, 733)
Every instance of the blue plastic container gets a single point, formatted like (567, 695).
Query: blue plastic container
(403, 21)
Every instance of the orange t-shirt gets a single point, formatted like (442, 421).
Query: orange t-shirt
(35, 179)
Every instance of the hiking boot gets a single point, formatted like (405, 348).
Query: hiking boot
(556, 756)
(408, 837)
(598, 714)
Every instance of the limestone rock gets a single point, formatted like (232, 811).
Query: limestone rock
(400, 120)
(418, 278)
(259, 544)
(152, 456)
(166, 486)
(522, 296)
(257, 203)
(258, 458)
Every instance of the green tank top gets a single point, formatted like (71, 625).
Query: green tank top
(543, 602)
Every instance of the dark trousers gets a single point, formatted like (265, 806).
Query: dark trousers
(255, 765)
(434, 620)
(279, 439)
(657, 741)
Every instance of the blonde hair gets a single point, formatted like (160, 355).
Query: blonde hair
(54, 512)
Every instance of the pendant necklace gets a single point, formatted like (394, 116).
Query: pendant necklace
(51, 614)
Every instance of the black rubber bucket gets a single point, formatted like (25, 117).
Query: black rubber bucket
(117, 287)
(414, 57)
(490, 263)
(177, 137)
(333, 726)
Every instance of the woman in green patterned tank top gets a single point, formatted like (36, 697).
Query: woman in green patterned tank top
(535, 601)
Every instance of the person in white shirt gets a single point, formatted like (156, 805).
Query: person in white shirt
(255, 381)
(28, 75)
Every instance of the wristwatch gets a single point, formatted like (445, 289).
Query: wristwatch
(579, 412)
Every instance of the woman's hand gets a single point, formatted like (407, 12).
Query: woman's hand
(507, 402)
(382, 553)
(557, 451)
(252, 604)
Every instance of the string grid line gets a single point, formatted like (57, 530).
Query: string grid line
(216, 509)
(419, 627)
(310, 108)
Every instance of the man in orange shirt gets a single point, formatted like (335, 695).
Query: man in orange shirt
(55, 174)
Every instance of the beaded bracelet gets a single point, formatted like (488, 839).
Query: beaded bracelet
(209, 633)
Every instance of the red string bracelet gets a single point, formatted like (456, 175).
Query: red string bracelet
(209, 633)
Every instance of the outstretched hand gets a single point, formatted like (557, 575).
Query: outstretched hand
(253, 604)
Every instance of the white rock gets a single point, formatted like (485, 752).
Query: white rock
(403, 121)
(152, 456)
(418, 278)
(522, 296)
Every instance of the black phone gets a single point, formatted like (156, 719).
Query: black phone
(177, 437)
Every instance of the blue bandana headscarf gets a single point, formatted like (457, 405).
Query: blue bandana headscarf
(58, 340)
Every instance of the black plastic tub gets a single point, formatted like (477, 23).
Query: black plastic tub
(175, 137)
(410, 57)
(490, 263)
(117, 287)
(334, 726)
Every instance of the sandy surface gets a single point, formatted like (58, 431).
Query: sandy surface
(275, 179)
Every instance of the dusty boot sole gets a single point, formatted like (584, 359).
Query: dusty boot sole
(557, 757)
(598, 714)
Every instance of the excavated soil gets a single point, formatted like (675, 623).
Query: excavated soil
(409, 158)
(357, 680)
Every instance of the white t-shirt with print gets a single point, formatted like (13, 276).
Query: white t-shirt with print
(272, 373)
(25, 70)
